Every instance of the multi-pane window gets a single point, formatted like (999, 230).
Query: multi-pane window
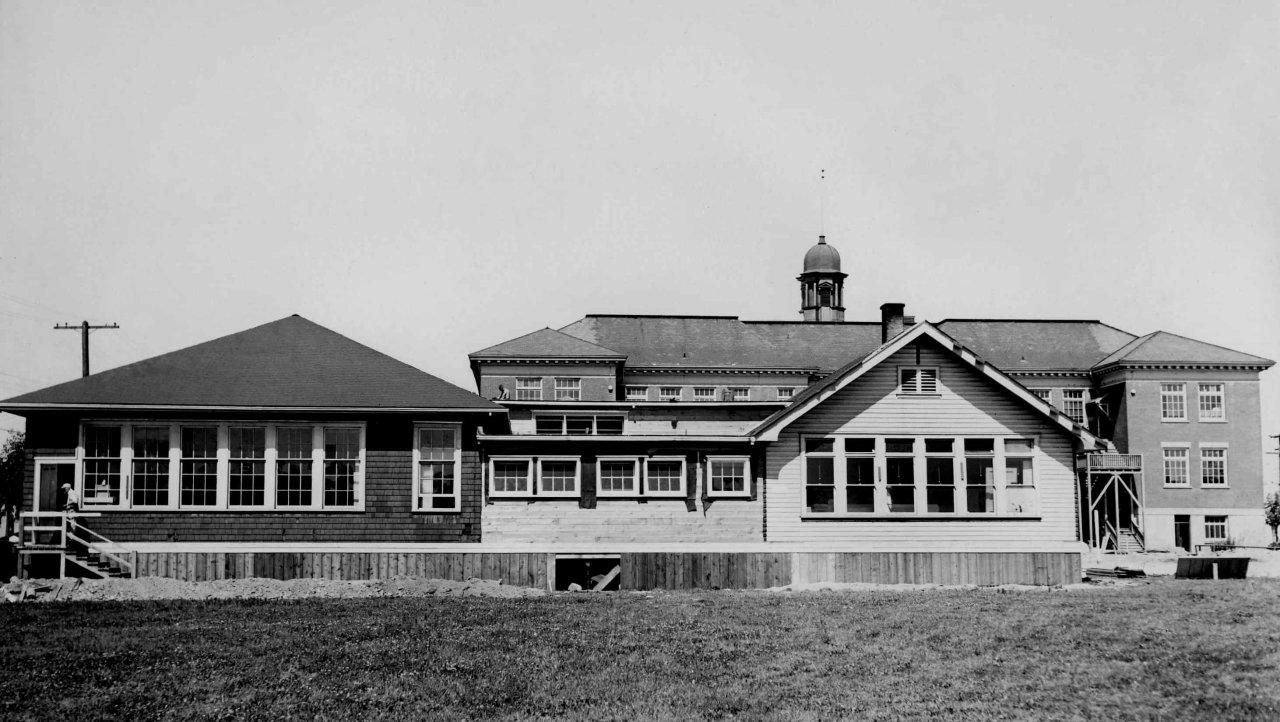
(940, 476)
(1212, 402)
(150, 465)
(860, 475)
(669, 393)
(900, 475)
(511, 477)
(247, 477)
(341, 465)
(1213, 467)
(1019, 475)
(617, 477)
(101, 465)
(224, 466)
(918, 381)
(1173, 402)
(637, 393)
(1215, 528)
(1042, 394)
(293, 466)
(1073, 404)
(920, 476)
(728, 476)
(664, 477)
(438, 453)
(819, 475)
(528, 388)
(740, 393)
(704, 393)
(568, 389)
(199, 481)
(578, 424)
(786, 393)
(558, 477)
(979, 475)
(1175, 466)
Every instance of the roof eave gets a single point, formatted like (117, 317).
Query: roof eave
(14, 408)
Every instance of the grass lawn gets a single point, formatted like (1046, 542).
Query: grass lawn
(1165, 649)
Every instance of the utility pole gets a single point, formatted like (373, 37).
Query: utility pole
(84, 329)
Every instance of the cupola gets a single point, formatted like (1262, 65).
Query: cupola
(822, 284)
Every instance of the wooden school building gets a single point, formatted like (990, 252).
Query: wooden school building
(644, 452)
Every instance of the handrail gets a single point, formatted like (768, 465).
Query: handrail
(81, 527)
(104, 553)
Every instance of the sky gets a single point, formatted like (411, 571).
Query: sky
(434, 178)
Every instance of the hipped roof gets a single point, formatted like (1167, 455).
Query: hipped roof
(292, 363)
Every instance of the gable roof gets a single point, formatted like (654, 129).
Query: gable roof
(547, 343)
(805, 401)
(292, 363)
(727, 342)
(1030, 345)
(1162, 347)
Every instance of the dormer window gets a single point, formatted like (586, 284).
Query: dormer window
(918, 381)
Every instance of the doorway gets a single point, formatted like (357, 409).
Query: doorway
(1182, 531)
(51, 474)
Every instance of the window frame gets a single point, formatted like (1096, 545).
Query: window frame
(564, 417)
(529, 391)
(1224, 524)
(917, 388)
(739, 391)
(704, 393)
(635, 393)
(786, 393)
(1070, 397)
(636, 482)
(1165, 458)
(542, 492)
(1171, 395)
(123, 460)
(420, 502)
(223, 461)
(1221, 395)
(1220, 449)
(665, 395)
(568, 388)
(530, 473)
(681, 493)
(746, 476)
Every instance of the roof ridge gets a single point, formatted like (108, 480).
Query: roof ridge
(1027, 320)
(655, 315)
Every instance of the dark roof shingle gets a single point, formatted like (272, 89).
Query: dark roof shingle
(547, 343)
(1028, 345)
(1165, 347)
(290, 363)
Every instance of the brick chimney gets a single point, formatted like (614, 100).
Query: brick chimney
(891, 320)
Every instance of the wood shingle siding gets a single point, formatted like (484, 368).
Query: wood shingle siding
(967, 404)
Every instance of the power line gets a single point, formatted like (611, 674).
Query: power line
(84, 329)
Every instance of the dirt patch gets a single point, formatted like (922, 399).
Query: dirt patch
(101, 590)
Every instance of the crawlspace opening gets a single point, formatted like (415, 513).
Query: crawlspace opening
(588, 572)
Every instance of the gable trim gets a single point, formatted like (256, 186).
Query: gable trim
(770, 428)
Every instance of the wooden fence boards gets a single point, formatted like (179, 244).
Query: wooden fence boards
(640, 570)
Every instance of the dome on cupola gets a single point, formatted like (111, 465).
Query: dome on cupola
(822, 257)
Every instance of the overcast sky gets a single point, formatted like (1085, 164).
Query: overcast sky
(431, 178)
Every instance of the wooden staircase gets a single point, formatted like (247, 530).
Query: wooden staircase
(82, 552)
(1129, 542)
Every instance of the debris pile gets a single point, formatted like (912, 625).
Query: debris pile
(1114, 573)
(47, 590)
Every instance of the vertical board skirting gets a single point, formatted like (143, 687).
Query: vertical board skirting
(640, 570)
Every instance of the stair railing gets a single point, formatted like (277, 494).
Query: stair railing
(96, 546)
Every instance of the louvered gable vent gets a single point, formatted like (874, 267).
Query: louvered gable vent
(918, 381)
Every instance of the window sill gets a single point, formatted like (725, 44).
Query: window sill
(436, 511)
(1173, 421)
(919, 517)
(1213, 421)
(1176, 486)
(1214, 486)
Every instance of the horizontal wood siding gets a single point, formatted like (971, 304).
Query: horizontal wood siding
(525, 570)
(1039, 568)
(617, 520)
(968, 404)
